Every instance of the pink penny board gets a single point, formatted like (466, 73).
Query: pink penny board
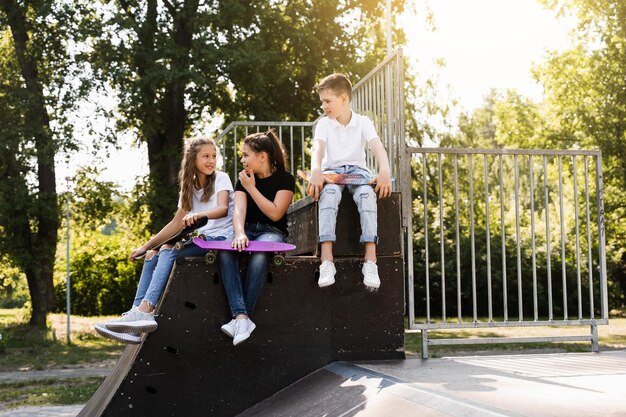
(253, 245)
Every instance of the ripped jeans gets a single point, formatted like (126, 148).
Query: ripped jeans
(364, 197)
(156, 271)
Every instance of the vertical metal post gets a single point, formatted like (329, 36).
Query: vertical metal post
(505, 300)
(472, 237)
(518, 241)
(532, 235)
(594, 338)
(563, 261)
(488, 238)
(604, 298)
(576, 216)
(67, 255)
(458, 243)
(548, 250)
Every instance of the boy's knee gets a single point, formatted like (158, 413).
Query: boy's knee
(330, 196)
(365, 200)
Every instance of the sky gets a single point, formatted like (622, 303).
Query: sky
(484, 43)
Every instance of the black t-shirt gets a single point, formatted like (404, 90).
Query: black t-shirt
(268, 187)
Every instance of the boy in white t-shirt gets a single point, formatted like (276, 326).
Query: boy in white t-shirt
(339, 147)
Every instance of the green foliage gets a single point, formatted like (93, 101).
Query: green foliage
(106, 226)
(176, 63)
(13, 288)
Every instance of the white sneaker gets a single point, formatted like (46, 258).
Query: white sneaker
(370, 275)
(131, 338)
(229, 328)
(133, 321)
(243, 330)
(327, 274)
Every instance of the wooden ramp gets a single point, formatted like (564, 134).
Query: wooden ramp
(188, 367)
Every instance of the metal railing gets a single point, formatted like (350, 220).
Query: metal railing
(506, 238)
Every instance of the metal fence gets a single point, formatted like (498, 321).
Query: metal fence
(506, 238)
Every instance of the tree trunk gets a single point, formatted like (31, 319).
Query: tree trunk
(166, 144)
(39, 276)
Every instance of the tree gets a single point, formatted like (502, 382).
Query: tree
(585, 90)
(34, 98)
(172, 64)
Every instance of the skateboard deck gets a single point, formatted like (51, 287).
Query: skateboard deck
(181, 238)
(253, 245)
(344, 179)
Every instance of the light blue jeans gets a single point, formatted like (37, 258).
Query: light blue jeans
(156, 271)
(364, 197)
(243, 294)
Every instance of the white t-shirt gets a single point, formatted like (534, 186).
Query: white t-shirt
(215, 227)
(345, 145)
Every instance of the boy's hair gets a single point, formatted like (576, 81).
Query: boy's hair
(269, 143)
(187, 175)
(336, 82)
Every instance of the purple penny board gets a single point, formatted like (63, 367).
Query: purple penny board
(253, 245)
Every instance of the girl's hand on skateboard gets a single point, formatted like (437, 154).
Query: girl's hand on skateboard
(240, 242)
(383, 184)
(191, 219)
(246, 177)
(140, 252)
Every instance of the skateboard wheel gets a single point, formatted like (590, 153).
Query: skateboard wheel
(201, 236)
(278, 260)
(210, 258)
(179, 246)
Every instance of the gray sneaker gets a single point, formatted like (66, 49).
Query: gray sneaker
(130, 338)
(229, 328)
(243, 330)
(133, 321)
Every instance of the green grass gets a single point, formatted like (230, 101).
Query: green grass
(24, 348)
(48, 392)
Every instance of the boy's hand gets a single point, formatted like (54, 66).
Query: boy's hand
(247, 179)
(316, 183)
(383, 184)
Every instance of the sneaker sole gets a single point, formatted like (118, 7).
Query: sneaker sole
(238, 341)
(141, 326)
(120, 337)
(325, 284)
(226, 332)
(373, 285)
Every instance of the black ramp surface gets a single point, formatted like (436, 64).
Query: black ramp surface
(189, 367)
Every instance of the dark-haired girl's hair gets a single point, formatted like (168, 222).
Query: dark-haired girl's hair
(269, 143)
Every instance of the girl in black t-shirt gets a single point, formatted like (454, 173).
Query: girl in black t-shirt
(263, 193)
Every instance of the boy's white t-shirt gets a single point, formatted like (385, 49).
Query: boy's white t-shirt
(345, 145)
(215, 227)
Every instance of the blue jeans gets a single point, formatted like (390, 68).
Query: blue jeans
(243, 294)
(364, 197)
(156, 271)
